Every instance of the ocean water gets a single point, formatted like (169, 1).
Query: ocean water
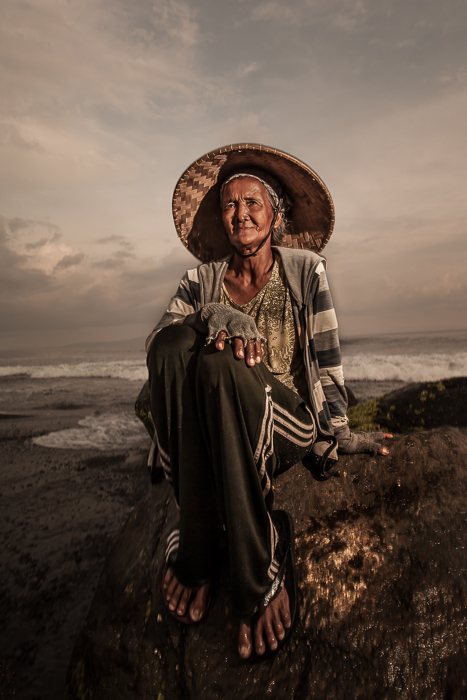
(106, 380)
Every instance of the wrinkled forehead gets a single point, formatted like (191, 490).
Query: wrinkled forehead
(242, 185)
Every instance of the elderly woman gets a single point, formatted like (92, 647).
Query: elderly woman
(246, 381)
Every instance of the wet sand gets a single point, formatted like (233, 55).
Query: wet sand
(59, 510)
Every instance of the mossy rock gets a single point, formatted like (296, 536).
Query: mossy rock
(363, 416)
(415, 407)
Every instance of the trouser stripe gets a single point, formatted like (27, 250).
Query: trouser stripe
(285, 423)
(274, 565)
(265, 446)
(172, 543)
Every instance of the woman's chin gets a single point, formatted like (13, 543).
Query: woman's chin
(246, 245)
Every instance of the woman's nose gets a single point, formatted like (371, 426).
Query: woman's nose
(242, 211)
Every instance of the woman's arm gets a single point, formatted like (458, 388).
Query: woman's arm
(327, 346)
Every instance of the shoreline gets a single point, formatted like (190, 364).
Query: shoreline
(60, 510)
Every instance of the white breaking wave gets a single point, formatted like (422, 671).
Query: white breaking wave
(424, 367)
(105, 432)
(118, 369)
(413, 367)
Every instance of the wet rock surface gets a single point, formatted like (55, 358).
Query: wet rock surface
(382, 571)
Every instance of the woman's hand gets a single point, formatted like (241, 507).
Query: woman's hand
(253, 352)
(238, 328)
(384, 450)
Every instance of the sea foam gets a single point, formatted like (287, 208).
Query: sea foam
(422, 367)
(108, 431)
(117, 369)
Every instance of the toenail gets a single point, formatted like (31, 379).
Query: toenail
(244, 652)
(195, 614)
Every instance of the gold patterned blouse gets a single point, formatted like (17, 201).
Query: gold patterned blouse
(271, 310)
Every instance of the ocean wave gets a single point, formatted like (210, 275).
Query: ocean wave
(406, 367)
(423, 367)
(117, 369)
(108, 431)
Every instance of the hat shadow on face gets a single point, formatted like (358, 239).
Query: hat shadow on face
(208, 239)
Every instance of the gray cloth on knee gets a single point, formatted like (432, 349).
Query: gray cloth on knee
(236, 324)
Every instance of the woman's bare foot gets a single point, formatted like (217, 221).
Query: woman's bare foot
(269, 630)
(178, 597)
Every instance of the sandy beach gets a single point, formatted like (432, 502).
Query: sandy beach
(60, 509)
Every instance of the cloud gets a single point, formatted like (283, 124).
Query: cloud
(11, 134)
(69, 261)
(120, 240)
(127, 290)
(346, 15)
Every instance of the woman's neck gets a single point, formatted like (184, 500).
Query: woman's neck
(245, 277)
(253, 268)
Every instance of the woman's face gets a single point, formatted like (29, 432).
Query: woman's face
(246, 213)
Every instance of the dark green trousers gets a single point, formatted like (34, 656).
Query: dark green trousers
(223, 431)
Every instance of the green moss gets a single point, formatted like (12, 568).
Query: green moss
(440, 386)
(76, 689)
(423, 395)
(363, 416)
(146, 418)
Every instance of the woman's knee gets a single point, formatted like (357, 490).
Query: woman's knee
(170, 341)
(213, 365)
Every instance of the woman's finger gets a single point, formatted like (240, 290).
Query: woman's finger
(258, 351)
(250, 355)
(238, 348)
(220, 340)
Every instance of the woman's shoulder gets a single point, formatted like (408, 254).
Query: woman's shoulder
(298, 259)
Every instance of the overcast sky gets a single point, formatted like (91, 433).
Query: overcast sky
(105, 102)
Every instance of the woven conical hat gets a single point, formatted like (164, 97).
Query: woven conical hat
(196, 199)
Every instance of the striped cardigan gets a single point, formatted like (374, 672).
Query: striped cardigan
(316, 327)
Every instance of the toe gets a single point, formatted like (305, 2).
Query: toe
(169, 574)
(270, 636)
(244, 641)
(173, 596)
(279, 629)
(200, 603)
(183, 602)
(259, 640)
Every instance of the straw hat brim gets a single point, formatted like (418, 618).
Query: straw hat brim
(196, 200)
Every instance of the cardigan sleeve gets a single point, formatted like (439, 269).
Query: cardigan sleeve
(328, 355)
(183, 306)
(326, 345)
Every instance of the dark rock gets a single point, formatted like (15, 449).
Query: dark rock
(382, 570)
(415, 407)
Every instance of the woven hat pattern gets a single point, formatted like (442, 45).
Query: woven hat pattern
(196, 208)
